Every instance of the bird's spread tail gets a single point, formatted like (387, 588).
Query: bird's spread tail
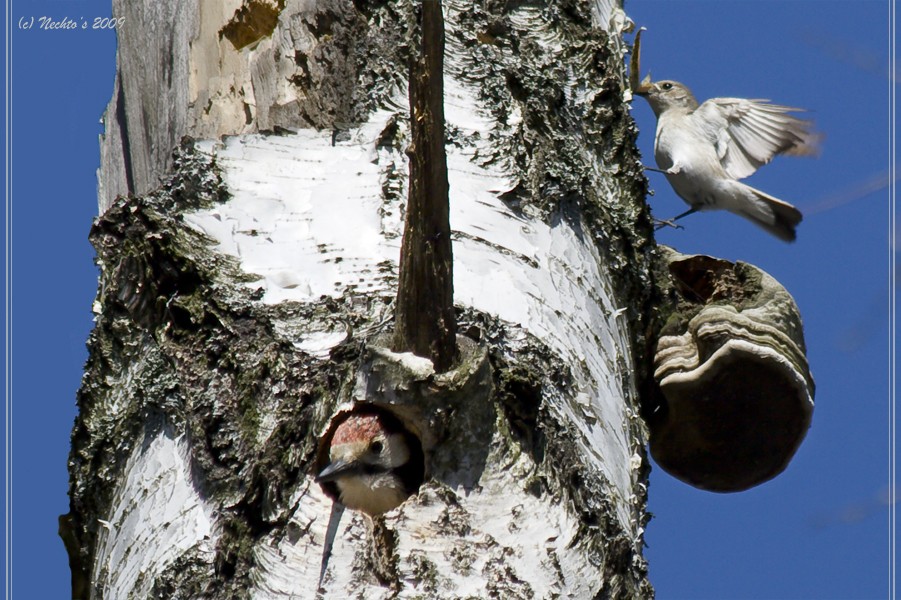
(778, 217)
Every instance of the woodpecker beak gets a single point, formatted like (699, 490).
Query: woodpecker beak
(338, 469)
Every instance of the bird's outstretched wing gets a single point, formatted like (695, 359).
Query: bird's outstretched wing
(749, 133)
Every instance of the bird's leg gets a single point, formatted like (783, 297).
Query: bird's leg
(686, 213)
(673, 170)
(672, 222)
(661, 223)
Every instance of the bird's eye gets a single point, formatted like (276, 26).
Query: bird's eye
(376, 447)
(667, 86)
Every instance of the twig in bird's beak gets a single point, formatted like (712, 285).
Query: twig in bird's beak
(635, 68)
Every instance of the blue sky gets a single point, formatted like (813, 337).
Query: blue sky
(819, 531)
(61, 82)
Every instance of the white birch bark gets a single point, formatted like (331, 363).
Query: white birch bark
(241, 305)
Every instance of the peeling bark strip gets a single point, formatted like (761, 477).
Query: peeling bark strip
(425, 320)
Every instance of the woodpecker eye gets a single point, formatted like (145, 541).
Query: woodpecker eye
(377, 447)
(667, 86)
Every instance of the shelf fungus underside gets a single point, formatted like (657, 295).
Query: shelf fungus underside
(731, 366)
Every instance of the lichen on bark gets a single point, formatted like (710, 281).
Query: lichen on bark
(201, 347)
(176, 347)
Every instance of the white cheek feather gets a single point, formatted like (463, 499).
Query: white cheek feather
(396, 452)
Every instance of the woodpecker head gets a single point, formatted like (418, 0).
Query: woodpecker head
(663, 95)
(374, 462)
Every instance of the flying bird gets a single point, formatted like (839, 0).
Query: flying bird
(374, 462)
(704, 150)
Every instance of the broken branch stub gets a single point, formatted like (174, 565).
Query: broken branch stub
(425, 319)
(730, 365)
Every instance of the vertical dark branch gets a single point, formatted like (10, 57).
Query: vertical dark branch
(425, 320)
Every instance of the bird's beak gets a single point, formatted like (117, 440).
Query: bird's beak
(338, 469)
(644, 88)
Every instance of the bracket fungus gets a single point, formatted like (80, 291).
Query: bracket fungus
(730, 365)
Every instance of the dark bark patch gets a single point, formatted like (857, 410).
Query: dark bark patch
(255, 20)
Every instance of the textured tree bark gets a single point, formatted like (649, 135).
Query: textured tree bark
(425, 323)
(247, 292)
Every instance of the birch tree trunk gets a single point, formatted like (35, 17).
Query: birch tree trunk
(246, 298)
